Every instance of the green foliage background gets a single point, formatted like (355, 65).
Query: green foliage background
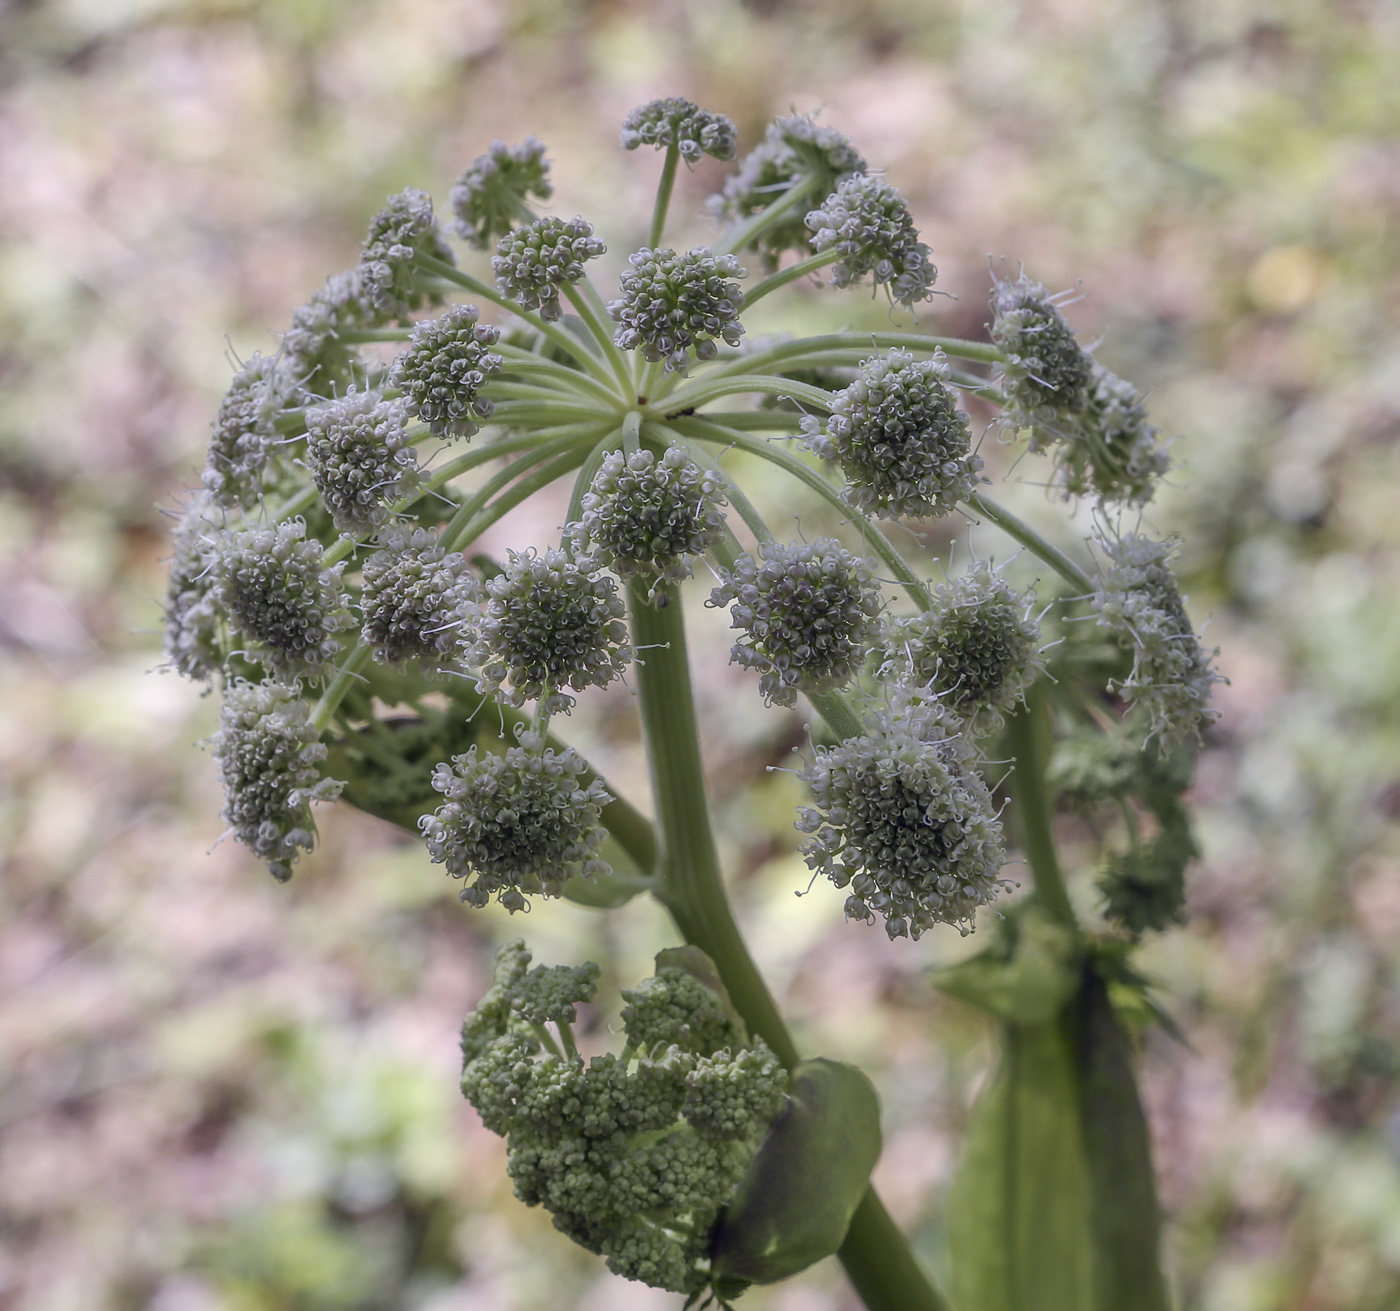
(218, 1093)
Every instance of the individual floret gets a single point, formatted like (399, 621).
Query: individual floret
(902, 817)
(649, 518)
(635, 1159)
(532, 263)
(419, 602)
(191, 610)
(809, 613)
(548, 623)
(404, 228)
(1045, 372)
(361, 458)
(272, 585)
(794, 149)
(244, 432)
(672, 302)
(1139, 602)
(443, 369)
(314, 359)
(866, 221)
(899, 438)
(489, 198)
(516, 824)
(976, 648)
(268, 753)
(694, 132)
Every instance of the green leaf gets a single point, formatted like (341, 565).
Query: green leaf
(1018, 1213)
(794, 1205)
(1025, 977)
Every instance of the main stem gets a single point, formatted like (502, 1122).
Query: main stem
(876, 1255)
(1028, 739)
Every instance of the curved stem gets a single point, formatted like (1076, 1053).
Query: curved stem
(523, 490)
(1033, 542)
(334, 694)
(749, 231)
(790, 274)
(588, 312)
(855, 346)
(709, 388)
(663, 195)
(1029, 737)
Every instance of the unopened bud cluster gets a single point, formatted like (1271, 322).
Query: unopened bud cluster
(671, 303)
(533, 263)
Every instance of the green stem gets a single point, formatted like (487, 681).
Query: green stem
(588, 312)
(360, 336)
(523, 490)
(345, 678)
(663, 195)
(709, 388)
(875, 1254)
(1029, 737)
(852, 346)
(790, 274)
(749, 231)
(1034, 542)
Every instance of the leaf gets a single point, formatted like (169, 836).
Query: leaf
(1026, 977)
(1019, 1210)
(795, 1203)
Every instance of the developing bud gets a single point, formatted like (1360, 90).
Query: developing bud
(1114, 451)
(516, 824)
(191, 614)
(1046, 372)
(268, 752)
(405, 227)
(1139, 602)
(418, 601)
(443, 369)
(792, 148)
(313, 358)
(808, 612)
(361, 458)
(671, 302)
(274, 590)
(680, 123)
(550, 623)
(903, 818)
(242, 432)
(899, 437)
(650, 518)
(867, 222)
(975, 649)
(532, 263)
(489, 196)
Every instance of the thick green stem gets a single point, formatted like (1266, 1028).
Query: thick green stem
(851, 347)
(875, 1254)
(339, 686)
(589, 313)
(1029, 738)
(709, 388)
(1033, 541)
(790, 274)
(754, 226)
(663, 195)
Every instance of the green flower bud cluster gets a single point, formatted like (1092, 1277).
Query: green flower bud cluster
(517, 824)
(976, 648)
(635, 1157)
(866, 221)
(268, 754)
(809, 613)
(901, 816)
(489, 197)
(405, 227)
(1139, 602)
(899, 438)
(418, 601)
(695, 132)
(672, 302)
(650, 518)
(443, 369)
(361, 457)
(532, 263)
(549, 622)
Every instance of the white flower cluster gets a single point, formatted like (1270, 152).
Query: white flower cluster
(443, 369)
(361, 457)
(695, 132)
(672, 302)
(418, 602)
(489, 197)
(866, 221)
(532, 263)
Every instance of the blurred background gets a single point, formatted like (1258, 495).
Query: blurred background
(220, 1093)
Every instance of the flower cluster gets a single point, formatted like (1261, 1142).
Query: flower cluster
(243, 431)
(976, 648)
(808, 613)
(313, 358)
(672, 302)
(867, 223)
(899, 437)
(268, 753)
(361, 457)
(1116, 453)
(1139, 602)
(902, 818)
(795, 149)
(273, 587)
(648, 517)
(1045, 371)
(443, 369)
(516, 824)
(548, 623)
(532, 263)
(404, 228)
(191, 612)
(694, 132)
(489, 198)
(418, 601)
